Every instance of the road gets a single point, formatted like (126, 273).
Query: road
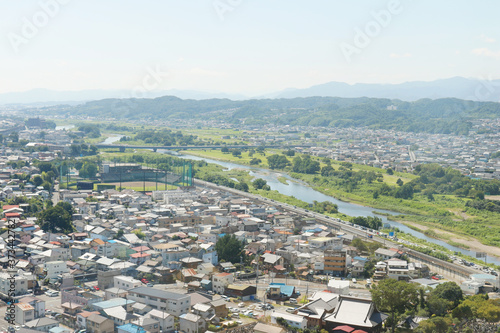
(51, 303)
(55, 195)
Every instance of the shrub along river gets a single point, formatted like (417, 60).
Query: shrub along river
(305, 193)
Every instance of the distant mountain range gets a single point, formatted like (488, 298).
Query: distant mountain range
(45, 97)
(444, 115)
(457, 87)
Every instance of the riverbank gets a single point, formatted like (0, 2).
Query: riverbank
(452, 238)
(469, 242)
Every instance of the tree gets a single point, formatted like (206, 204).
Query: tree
(438, 306)
(37, 180)
(255, 161)
(433, 325)
(277, 161)
(399, 182)
(462, 311)
(119, 234)
(139, 233)
(56, 219)
(14, 137)
(236, 152)
(395, 297)
(259, 183)
(88, 170)
(66, 206)
(390, 171)
(359, 244)
(229, 248)
(224, 150)
(449, 291)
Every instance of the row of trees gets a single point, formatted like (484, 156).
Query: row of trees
(445, 304)
(164, 137)
(90, 130)
(371, 222)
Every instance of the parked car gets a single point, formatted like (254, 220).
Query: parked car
(290, 310)
(52, 293)
(241, 305)
(293, 300)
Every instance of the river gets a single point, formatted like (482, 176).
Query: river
(64, 127)
(112, 139)
(305, 193)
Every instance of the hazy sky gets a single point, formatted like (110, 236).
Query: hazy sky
(242, 46)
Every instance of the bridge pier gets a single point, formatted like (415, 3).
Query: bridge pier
(155, 149)
(122, 149)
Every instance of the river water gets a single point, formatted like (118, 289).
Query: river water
(305, 193)
(64, 127)
(112, 139)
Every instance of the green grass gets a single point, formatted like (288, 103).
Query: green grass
(216, 154)
(283, 180)
(445, 212)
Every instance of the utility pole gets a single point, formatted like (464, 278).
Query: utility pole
(257, 275)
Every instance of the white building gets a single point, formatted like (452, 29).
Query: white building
(220, 281)
(487, 278)
(340, 287)
(20, 281)
(37, 303)
(166, 320)
(125, 282)
(54, 268)
(326, 243)
(292, 320)
(173, 303)
(171, 252)
(191, 323)
(24, 313)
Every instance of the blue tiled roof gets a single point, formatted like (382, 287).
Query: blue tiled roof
(287, 290)
(132, 328)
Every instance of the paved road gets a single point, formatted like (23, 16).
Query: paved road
(51, 303)
(55, 195)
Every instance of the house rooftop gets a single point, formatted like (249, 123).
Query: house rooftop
(112, 303)
(153, 292)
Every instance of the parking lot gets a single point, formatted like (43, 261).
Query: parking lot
(51, 303)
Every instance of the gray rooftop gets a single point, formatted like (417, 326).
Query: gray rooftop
(153, 292)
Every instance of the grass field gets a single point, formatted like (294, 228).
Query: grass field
(140, 186)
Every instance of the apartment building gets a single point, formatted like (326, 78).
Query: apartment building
(125, 282)
(173, 303)
(335, 262)
(220, 281)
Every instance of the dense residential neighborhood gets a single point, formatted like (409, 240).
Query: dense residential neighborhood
(191, 259)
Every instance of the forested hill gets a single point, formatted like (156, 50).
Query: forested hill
(433, 116)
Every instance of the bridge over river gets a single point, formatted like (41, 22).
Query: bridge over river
(122, 148)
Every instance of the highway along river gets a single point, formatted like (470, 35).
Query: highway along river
(305, 193)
